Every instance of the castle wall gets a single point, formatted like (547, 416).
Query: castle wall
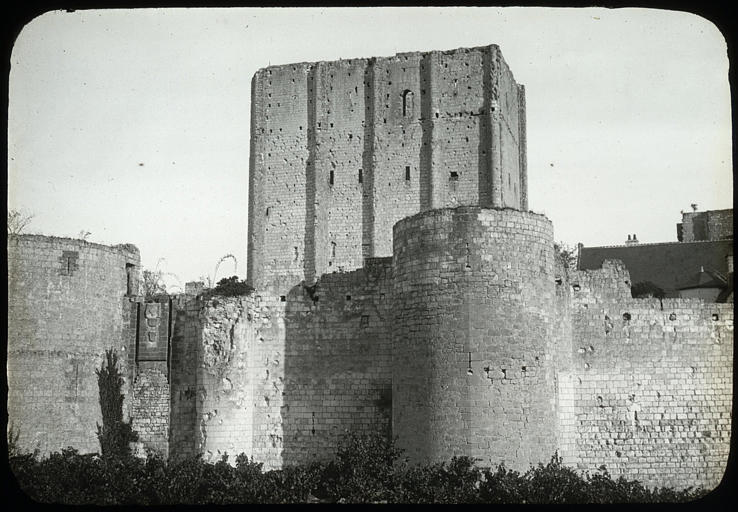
(650, 387)
(395, 135)
(283, 380)
(68, 301)
(474, 290)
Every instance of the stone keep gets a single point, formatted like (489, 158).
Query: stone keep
(341, 151)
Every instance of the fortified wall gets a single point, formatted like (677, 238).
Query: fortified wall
(402, 287)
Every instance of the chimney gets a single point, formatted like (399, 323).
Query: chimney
(631, 240)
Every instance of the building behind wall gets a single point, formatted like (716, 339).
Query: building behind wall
(700, 264)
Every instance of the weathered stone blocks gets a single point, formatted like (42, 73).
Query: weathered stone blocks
(473, 299)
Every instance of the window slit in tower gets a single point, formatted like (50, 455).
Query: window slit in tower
(407, 173)
(361, 176)
(330, 178)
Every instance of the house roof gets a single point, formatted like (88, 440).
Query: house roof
(669, 265)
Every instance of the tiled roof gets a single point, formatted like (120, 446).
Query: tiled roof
(670, 265)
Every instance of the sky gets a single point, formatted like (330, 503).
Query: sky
(133, 125)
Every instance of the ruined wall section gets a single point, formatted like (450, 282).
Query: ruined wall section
(68, 301)
(649, 394)
(283, 378)
(279, 185)
(472, 373)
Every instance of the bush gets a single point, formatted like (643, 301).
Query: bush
(646, 289)
(366, 469)
(362, 472)
(455, 482)
(230, 287)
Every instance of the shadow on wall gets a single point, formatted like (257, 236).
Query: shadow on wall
(337, 362)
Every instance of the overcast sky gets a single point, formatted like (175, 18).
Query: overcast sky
(133, 125)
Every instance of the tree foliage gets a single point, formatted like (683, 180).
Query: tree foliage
(565, 255)
(114, 434)
(646, 289)
(18, 221)
(154, 281)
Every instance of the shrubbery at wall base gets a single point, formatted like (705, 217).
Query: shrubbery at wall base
(365, 470)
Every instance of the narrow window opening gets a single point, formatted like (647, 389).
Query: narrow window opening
(267, 210)
(407, 103)
(407, 173)
(348, 297)
(129, 279)
(361, 176)
(283, 298)
(333, 249)
(330, 178)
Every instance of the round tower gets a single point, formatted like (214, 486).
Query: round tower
(474, 297)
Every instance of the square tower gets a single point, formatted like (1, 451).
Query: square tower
(342, 150)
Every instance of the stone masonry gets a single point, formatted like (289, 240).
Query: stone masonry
(402, 287)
